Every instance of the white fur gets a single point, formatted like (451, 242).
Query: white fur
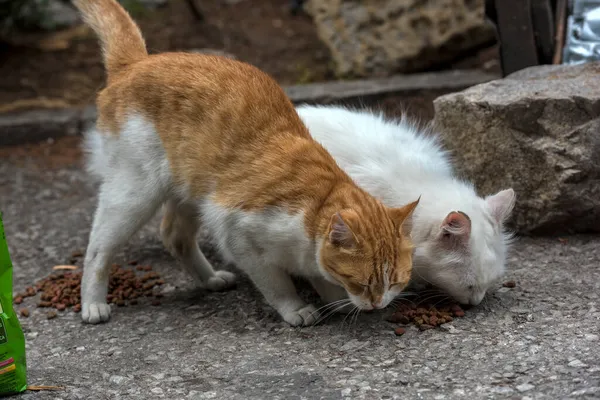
(270, 245)
(136, 180)
(397, 163)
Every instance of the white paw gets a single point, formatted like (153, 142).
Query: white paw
(95, 313)
(303, 317)
(221, 281)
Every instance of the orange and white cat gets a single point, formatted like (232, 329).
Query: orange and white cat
(217, 140)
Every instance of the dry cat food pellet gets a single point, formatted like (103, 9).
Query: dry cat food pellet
(509, 284)
(425, 316)
(77, 254)
(399, 331)
(62, 290)
(51, 315)
(24, 312)
(65, 267)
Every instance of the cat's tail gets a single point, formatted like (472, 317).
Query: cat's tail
(120, 38)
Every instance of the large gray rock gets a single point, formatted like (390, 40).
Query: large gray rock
(538, 131)
(382, 37)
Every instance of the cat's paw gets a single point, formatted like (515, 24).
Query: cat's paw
(95, 313)
(303, 317)
(222, 280)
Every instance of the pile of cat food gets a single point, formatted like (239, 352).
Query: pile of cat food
(428, 316)
(61, 290)
(424, 316)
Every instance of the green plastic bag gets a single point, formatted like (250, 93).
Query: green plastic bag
(13, 368)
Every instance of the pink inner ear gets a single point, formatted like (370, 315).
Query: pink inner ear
(501, 204)
(457, 223)
(340, 234)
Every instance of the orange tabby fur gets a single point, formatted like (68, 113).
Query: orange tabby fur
(231, 133)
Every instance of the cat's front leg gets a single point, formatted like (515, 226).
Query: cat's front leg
(333, 295)
(279, 291)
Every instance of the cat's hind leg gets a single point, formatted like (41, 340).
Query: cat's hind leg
(125, 204)
(179, 228)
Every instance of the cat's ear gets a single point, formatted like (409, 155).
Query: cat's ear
(340, 232)
(456, 229)
(403, 216)
(501, 204)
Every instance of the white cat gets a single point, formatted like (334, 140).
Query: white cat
(460, 241)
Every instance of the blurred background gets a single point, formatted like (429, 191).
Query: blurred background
(48, 59)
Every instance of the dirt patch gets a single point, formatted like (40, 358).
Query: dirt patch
(50, 154)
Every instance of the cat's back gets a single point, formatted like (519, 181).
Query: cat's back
(364, 139)
(179, 89)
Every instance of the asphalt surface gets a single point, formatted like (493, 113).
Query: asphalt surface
(539, 340)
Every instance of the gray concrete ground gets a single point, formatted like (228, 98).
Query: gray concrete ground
(539, 340)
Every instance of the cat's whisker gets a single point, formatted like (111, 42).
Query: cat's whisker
(327, 307)
(429, 298)
(424, 299)
(330, 308)
(445, 298)
(398, 301)
(433, 293)
(330, 305)
(431, 290)
(356, 316)
(331, 312)
(417, 273)
(350, 313)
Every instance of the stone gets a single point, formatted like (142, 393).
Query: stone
(381, 37)
(537, 131)
(525, 387)
(577, 364)
(117, 379)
